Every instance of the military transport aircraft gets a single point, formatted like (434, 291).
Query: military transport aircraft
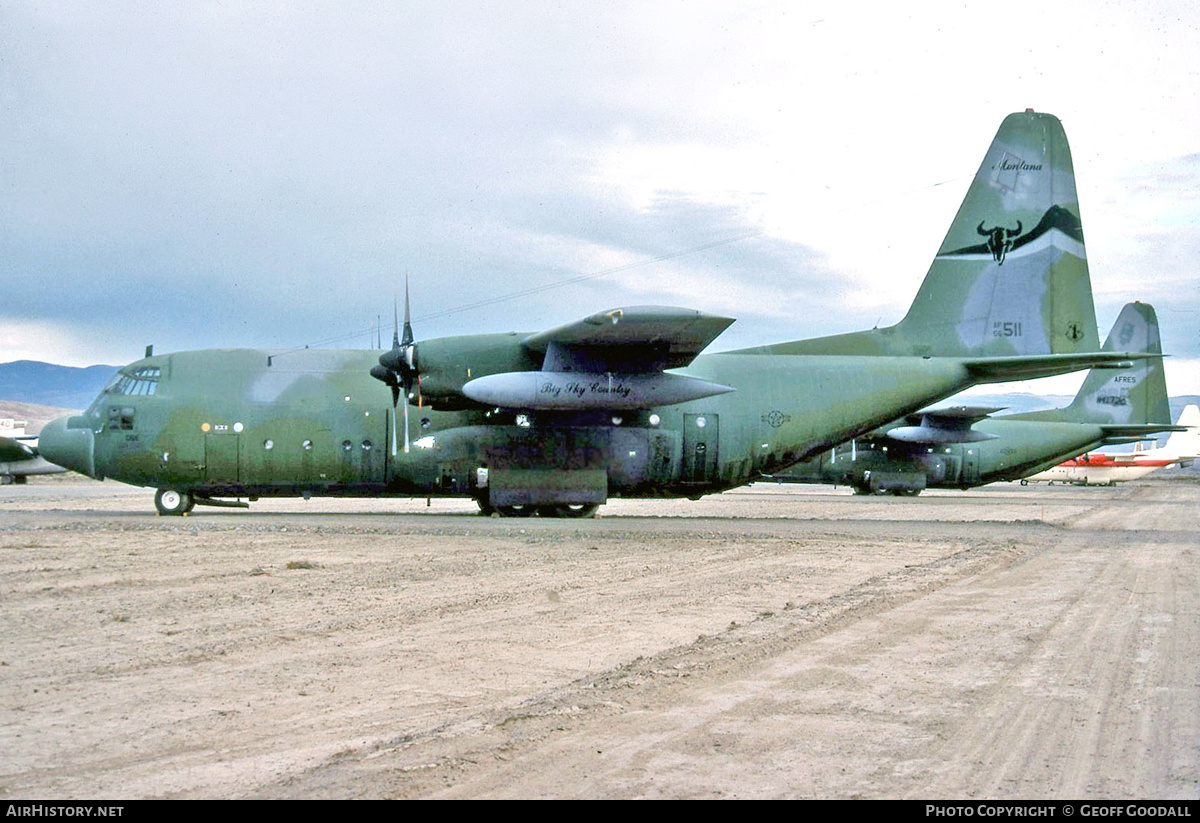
(962, 447)
(620, 403)
(1110, 468)
(19, 455)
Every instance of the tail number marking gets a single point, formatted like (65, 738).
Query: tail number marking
(1007, 328)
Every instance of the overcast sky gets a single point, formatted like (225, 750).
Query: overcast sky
(199, 174)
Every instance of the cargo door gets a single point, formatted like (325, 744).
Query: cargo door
(701, 434)
(970, 467)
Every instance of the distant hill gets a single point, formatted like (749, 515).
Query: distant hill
(37, 416)
(45, 384)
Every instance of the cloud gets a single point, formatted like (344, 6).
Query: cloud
(200, 175)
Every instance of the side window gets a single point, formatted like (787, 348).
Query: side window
(120, 419)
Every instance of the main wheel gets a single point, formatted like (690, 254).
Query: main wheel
(572, 510)
(516, 511)
(172, 502)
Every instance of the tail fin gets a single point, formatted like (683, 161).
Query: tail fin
(1011, 277)
(1133, 395)
(1185, 444)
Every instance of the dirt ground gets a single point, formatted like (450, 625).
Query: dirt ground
(1009, 642)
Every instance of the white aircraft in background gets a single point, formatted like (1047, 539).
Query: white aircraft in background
(1110, 468)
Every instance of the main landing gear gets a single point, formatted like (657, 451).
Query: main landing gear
(567, 510)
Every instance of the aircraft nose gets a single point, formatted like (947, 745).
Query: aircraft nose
(68, 442)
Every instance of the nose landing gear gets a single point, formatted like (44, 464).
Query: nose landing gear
(173, 503)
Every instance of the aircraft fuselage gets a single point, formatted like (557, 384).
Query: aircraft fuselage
(880, 464)
(236, 422)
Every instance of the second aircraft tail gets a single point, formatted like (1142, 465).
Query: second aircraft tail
(1136, 395)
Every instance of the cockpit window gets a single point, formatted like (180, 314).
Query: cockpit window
(140, 382)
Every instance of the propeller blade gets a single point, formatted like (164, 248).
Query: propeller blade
(408, 331)
(396, 321)
(393, 432)
(397, 368)
(406, 436)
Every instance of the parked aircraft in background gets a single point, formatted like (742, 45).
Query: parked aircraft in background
(19, 455)
(620, 403)
(960, 447)
(1110, 468)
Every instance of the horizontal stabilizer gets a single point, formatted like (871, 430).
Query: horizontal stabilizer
(1130, 432)
(1028, 367)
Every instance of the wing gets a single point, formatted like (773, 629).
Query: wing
(948, 425)
(19, 456)
(611, 361)
(629, 340)
(13, 450)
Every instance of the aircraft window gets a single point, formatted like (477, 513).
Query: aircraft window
(120, 418)
(307, 445)
(141, 382)
(367, 446)
(268, 444)
(346, 445)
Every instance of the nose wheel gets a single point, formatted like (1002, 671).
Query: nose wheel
(173, 503)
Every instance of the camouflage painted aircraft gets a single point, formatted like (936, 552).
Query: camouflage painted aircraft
(961, 447)
(19, 456)
(620, 403)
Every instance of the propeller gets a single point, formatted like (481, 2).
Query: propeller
(397, 368)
